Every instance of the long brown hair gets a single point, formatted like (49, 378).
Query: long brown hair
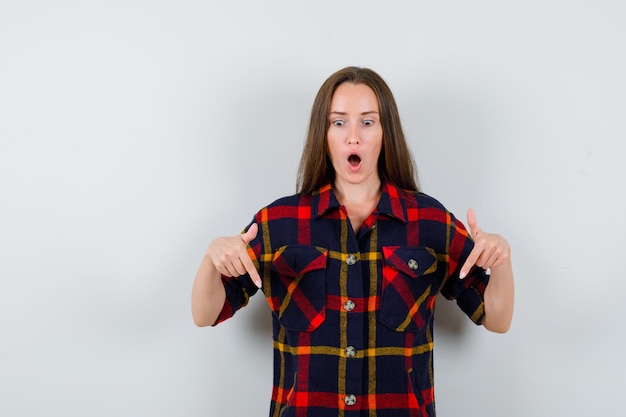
(395, 163)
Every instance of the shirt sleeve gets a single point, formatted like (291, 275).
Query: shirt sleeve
(240, 289)
(469, 292)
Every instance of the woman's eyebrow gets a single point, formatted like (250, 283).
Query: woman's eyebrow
(341, 113)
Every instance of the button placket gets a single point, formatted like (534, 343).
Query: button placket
(349, 304)
(350, 351)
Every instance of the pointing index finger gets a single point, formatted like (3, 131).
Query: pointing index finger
(245, 260)
(254, 274)
(475, 253)
(469, 263)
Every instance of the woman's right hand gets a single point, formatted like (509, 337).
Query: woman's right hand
(230, 256)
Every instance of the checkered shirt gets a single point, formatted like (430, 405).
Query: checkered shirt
(353, 312)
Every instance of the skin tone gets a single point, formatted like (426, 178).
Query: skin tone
(354, 144)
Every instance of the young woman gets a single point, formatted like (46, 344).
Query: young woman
(352, 264)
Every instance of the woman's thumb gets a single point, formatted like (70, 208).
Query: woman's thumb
(251, 233)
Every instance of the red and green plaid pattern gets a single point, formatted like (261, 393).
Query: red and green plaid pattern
(353, 312)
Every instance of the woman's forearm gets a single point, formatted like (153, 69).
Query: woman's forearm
(207, 295)
(499, 299)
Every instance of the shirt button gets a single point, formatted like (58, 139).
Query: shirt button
(351, 259)
(349, 305)
(349, 399)
(412, 264)
(350, 352)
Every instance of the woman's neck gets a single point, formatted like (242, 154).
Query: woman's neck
(359, 200)
(349, 194)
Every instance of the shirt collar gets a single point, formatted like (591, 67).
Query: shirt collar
(390, 204)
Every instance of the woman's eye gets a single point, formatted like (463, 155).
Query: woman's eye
(338, 123)
(368, 122)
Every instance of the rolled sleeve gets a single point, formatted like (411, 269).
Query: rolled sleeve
(469, 292)
(240, 289)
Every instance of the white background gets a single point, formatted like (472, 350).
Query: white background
(133, 132)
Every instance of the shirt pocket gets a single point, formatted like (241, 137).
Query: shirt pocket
(298, 293)
(409, 287)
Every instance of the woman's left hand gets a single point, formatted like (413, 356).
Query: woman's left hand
(490, 250)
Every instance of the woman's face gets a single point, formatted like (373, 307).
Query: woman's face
(355, 135)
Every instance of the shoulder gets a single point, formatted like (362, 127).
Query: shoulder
(422, 200)
(287, 206)
(288, 200)
(424, 207)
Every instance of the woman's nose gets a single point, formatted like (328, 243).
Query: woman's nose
(353, 136)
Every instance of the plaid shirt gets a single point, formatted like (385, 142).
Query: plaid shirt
(353, 312)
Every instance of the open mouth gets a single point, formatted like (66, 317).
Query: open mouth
(354, 160)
